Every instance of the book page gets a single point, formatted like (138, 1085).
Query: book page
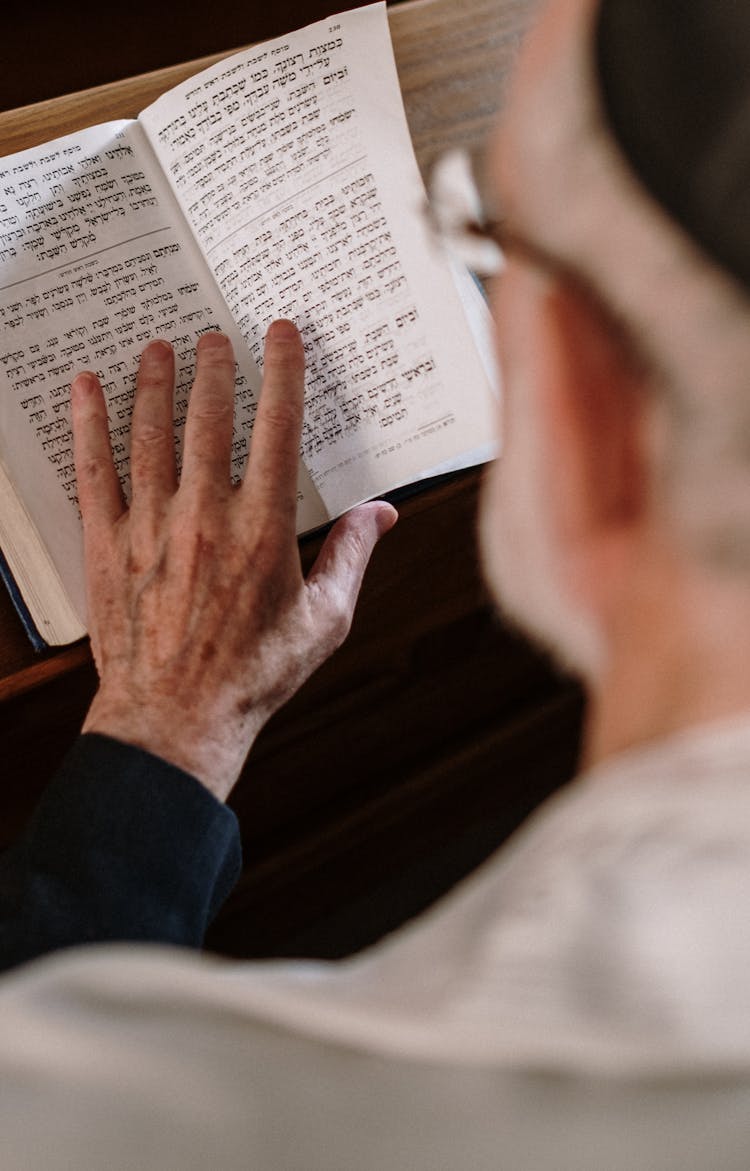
(294, 165)
(95, 261)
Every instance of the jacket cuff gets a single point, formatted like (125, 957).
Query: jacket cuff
(142, 842)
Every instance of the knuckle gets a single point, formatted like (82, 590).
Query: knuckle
(280, 418)
(339, 621)
(340, 631)
(213, 410)
(92, 469)
(358, 550)
(151, 382)
(149, 436)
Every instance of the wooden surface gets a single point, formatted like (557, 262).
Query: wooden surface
(411, 754)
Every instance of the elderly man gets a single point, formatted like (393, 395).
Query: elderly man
(582, 1001)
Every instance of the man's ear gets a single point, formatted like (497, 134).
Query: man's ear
(591, 419)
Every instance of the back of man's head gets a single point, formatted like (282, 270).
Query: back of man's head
(634, 120)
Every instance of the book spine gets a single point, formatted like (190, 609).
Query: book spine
(35, 638)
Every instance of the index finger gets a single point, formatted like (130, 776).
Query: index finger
(271, 479)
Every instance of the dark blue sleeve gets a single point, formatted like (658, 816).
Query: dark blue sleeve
(123, 846)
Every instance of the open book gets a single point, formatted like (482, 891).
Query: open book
(281, 182)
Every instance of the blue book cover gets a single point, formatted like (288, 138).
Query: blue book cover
(21, 608)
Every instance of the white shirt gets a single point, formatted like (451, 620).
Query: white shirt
(582, 1002)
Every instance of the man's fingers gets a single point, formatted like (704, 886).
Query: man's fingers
(99, 490)
(210, 417)
(336, 576)
(152, 457)
(271, 480)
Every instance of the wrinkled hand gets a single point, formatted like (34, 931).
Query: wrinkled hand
(201, 622)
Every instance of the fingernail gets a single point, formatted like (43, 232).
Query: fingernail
(158, 349)
(84, 384)
(282, 330)
(213, 340)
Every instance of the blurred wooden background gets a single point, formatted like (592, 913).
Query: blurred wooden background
(411, 755)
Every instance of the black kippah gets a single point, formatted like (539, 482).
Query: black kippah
(675, 78)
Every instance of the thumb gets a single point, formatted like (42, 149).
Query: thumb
(337, 574)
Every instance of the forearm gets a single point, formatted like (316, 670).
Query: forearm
(123, 846)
